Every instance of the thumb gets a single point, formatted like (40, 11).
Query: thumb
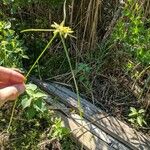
(11, 92)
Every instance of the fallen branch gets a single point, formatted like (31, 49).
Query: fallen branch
(117, 133)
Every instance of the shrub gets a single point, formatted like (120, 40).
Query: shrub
(131, 33)
(12, 50)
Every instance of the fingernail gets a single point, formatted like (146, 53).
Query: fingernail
(20, 88)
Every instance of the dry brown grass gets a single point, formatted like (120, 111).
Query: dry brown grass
(90, 19)
(85, 16)
(147, 8)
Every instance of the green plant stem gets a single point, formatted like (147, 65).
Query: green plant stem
(37, 30)
(49, 43)
(12, 114)
(64, 11)
(73, 75)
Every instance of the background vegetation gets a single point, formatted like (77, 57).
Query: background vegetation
(110, 57)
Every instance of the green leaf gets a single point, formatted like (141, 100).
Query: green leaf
(30, 89)
(40, 105)
(26, 102)
(141, 111)
(131, 120)
(81, 78)
(31, 86)
(140, 121)
(25, 56)
(30, 112)
(7, 25)
(133, 112)
(40, 95)
(144, 122)
(132, 109)
(30, 92)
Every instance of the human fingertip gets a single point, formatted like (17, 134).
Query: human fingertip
(25, 79)
(20, 87)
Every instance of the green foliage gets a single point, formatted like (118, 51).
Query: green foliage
(137, 117)
(18, 4)
(32, 102)
(27, 134)
(84, 68)
(56, 64)
(131, 33)
(11, 48)
(84, 71)
(69, 143)
(58, 131)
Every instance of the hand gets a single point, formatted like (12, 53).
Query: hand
(11, 85)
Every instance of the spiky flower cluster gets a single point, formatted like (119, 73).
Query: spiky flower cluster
(61, 29)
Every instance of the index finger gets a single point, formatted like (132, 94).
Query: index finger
(10, 76)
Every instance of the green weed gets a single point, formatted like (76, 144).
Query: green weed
(32, 102)
(132, 36)
(58, 131)
(137, 117)
(83, 71)
(131, 33)
(12, 50)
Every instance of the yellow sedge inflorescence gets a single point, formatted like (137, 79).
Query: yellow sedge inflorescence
(61, 29)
